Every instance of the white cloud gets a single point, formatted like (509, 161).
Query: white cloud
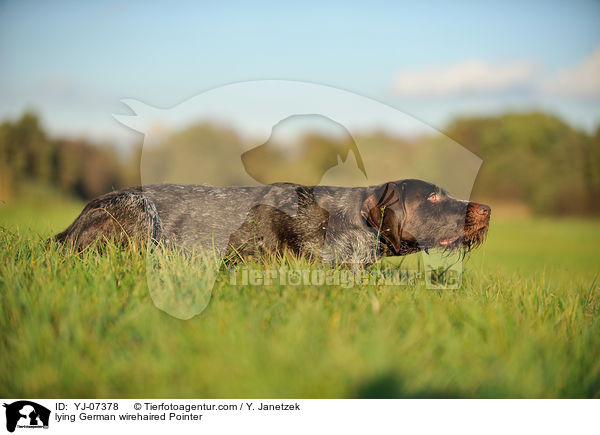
(473, 76)
(582, 80)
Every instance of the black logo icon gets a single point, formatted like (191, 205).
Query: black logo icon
(26, 414)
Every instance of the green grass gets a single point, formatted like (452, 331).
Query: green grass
(525, 323)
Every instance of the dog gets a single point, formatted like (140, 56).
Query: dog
(335, 224)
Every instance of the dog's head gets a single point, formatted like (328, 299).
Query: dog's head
(414, 215)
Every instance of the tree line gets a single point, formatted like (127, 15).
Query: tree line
(78, 167)
(534, 158)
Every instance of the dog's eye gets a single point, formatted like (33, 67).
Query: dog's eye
(434, 197)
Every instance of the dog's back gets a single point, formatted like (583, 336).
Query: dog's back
(192, 216)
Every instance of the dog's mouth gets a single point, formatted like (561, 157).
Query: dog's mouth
(467, 238)
(472, 237)
(449, 241)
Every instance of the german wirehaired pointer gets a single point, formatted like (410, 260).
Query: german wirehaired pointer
(348, 225)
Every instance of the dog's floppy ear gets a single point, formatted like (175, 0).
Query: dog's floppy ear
(377, 211)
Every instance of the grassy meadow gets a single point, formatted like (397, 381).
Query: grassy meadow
(525, 323)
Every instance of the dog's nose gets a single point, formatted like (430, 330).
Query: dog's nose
(483, 209)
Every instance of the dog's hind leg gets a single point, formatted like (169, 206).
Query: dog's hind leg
(126, 217)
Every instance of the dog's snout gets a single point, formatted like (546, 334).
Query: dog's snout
(483, 209)
(479, 210)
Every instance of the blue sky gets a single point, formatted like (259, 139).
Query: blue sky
(74, 61)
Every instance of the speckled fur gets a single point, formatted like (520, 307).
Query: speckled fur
(323, 222)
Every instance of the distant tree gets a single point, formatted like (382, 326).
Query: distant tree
(25, 153)
(533, 157)
(77, 167)
(591, 171)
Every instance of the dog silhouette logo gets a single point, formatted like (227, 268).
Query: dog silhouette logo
(272, 133)
(26, 414)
